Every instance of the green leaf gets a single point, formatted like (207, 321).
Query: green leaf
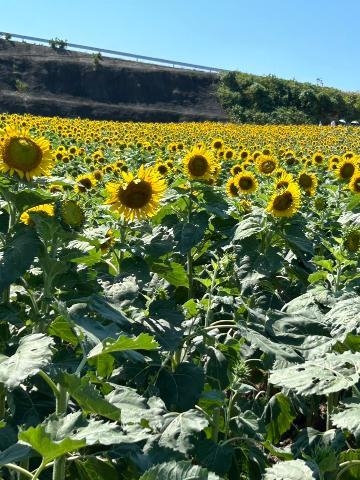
(214, 456)
(352, 473)
(179, 428)
(192, 233)
(88, 397)
(295, 235)
(172, 272)
(181, 389)
(14, 453)
(25, 199)
(61, 328)
(136, 266)
(278, 417)
(329, 374)
(108, 311)
(183, 470)
(34, 353)
(349, 418)
(292, 470)
(95, 469)
(248, 227)
(40, 440)
(18, 254)
(123, 343)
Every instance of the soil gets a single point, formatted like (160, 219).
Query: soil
(45, 81)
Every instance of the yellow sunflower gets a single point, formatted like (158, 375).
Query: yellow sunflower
(308, 182)
(346, 168)
(286, 203)
(354, 183)
(231, 188)
(45, 209)
(85, 182)
(136, 197)
(246, 182)
(199, 164)
(284, 180)
(24, 155)
(266, 164)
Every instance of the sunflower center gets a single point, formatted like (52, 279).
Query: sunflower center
(22, 153)
(268, 166)
(86, 183)
(305, 181)
(198, 166)
(282, 184)
(283, 202)
(245, 183)
(347, 170)
(233, 189)
(136, 195)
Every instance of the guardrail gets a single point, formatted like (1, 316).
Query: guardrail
(158, 61)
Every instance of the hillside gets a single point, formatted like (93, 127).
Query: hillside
(45, 81)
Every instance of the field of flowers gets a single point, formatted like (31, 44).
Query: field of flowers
(178, 301)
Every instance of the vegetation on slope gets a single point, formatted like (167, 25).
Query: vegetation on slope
(271, 100)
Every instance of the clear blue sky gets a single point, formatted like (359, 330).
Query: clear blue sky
(305, 40)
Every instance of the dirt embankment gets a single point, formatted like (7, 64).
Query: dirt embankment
(42, 81)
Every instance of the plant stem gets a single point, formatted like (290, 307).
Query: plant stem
(215, 427)
(331, 403)
(42, 467)
(189, 271)
(2, 400)
(61, 406)
(17, 468)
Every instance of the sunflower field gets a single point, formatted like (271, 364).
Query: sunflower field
(178, 301)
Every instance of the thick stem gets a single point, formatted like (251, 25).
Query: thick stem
(215, 426)
(24, 473)
(2, 400)
(189, 271)
(61, 406)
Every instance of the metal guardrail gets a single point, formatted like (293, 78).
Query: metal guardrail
(158, 61)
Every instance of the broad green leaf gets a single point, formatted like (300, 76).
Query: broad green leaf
(93, 257)
(349, 418)
(292, 470)
(216, 368)
(18, 254)
(178, 471)
(214, 456)
(88, 397)
(344, 317)
(61, 328)
(33, 353)
(179, 428)
(159, 242)
(249, 226)
(278, 417)
(352, 473)
(25, 199)
(172, 272)
(295, 235)
(16, 452)
(40, 440)
(329, 374)
(136, 266)
(181, 389)
(192, 233)
(123, 343)
(108, 311)
(95, 469)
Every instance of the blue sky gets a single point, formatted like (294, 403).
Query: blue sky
(305, 40)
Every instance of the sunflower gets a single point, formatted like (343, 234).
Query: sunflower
(162, 168)
(231, 187)
(85, 182)
(352, 239)
(354, 184)
(266, 164)
(286, 203)
(218, 144)
(346, 169)
(284, 180)
(24, 155)
(308, 182)
(235, 169)
(199, 164)
(70, 214)
(246, 182)
(47, 210)
(136, 197)
(317, 158)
